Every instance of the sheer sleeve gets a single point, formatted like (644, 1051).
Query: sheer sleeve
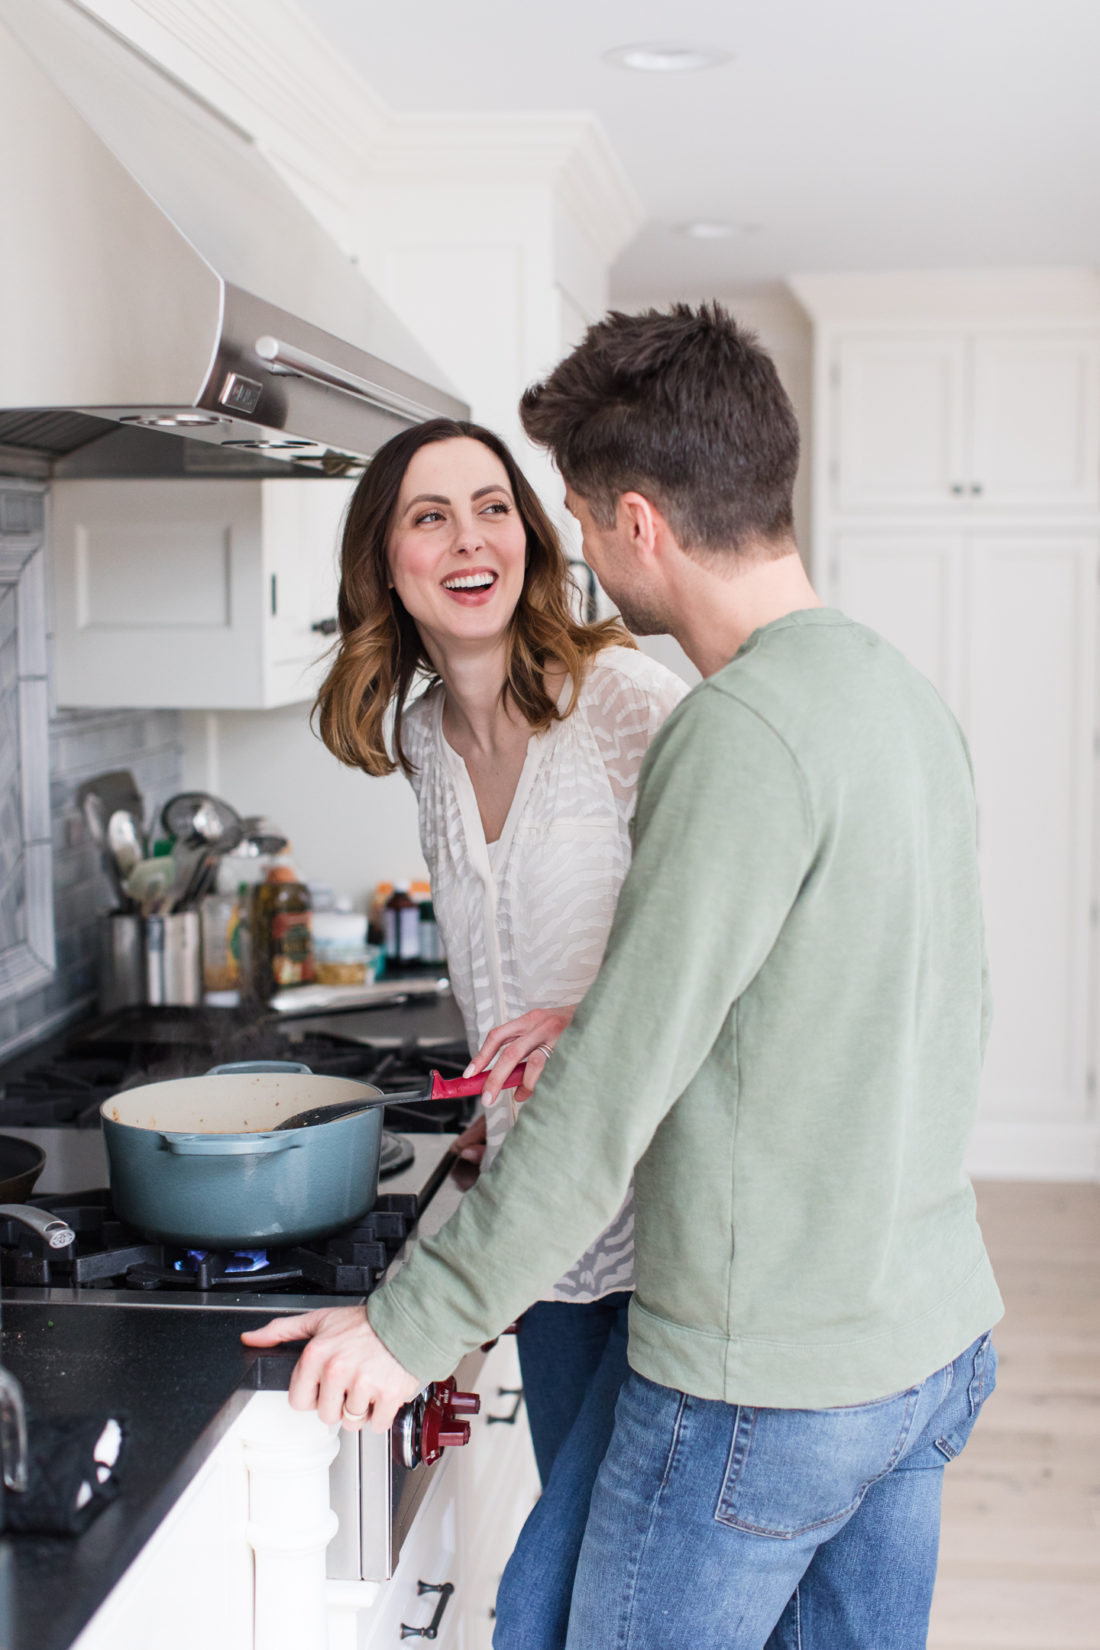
(627, 697)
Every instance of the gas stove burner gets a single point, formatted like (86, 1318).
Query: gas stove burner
(237, 1262)
(109, 1255)
(397, 1154)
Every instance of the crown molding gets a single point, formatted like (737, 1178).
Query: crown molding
(271, 70)
(1063, 294)
(568, 153)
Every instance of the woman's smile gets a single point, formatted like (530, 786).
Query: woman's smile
(472, 586)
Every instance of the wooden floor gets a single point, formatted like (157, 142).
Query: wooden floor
(1020, 1554)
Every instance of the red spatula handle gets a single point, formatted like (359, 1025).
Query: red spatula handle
(456, 1088)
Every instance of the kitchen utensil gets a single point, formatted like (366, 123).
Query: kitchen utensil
(149, 882)
(121, 959)
(440, 1088)
(109, 793)
(21, 1163)
(187, 864)
(260, 838)
(173, 959)
(201, 1160)
(99, 799)
(194, 817)
(182, 959)
(124, 842)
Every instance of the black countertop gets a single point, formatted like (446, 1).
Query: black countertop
(182, 1378)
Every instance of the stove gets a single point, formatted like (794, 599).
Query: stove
(52, 1096)
(112, 1264)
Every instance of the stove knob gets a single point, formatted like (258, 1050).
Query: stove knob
(453, 1434)
(439, 1429)
(463, 1403)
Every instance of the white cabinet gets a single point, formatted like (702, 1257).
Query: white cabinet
(899, 427)
(1036, 421)
(928, 420)
(499, 1485)
(239, 1561)
(957, 512)
(1005, 624)
(200, 595)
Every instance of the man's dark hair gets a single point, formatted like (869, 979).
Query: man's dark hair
(682, 406)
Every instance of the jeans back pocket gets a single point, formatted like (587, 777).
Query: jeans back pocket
(793, 1470)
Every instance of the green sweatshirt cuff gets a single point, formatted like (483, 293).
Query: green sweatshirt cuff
(406, 1340)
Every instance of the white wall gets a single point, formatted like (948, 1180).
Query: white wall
(346, 828)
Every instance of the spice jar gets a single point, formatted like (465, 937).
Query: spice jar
(280, 933)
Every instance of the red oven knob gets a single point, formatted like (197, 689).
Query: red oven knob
(430, 1424)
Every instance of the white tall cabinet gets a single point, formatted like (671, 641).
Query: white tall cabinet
(957, 512)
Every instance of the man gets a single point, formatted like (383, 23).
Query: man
(783, 1046)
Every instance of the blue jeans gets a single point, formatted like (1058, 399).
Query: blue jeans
(743, 1528)
(573, 1359)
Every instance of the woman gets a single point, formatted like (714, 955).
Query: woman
(524, 754)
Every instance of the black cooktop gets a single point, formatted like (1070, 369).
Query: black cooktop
(64, 1082)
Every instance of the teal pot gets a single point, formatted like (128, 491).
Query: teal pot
(200, 1161)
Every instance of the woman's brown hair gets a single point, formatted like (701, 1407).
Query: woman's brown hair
(380, 653)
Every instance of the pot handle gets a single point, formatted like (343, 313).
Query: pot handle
(229, 1145)
(260, 1065)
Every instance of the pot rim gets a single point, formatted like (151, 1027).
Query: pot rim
(246, 1082)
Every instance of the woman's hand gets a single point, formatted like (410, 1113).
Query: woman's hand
(530, 1038)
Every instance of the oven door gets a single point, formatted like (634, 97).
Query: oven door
(376, 1498)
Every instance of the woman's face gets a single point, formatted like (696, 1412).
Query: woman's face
(457, 545)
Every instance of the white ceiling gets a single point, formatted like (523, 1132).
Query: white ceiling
(853, 134)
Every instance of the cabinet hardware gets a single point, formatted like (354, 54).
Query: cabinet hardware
(958, 489)
(445, 1589)
(325, 627)
(976, 489)
(274, 594)
(508, 1420)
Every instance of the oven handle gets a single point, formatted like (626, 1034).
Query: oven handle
(445, 1589)
(510, 1419)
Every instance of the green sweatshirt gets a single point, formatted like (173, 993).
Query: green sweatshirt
(782, 1045)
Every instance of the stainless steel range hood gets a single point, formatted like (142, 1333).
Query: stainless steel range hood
(167, 305)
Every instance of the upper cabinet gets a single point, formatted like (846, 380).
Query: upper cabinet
(989, 420)
(201, 595)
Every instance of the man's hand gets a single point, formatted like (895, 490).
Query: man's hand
(344, 1372)
(531, 1038)
(470, 1144)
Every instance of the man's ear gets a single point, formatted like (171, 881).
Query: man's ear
(642, 522)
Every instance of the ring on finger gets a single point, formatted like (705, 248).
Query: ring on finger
(541, 1048)
(354, 1414)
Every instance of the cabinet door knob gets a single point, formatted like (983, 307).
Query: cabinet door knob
(976, 489)
(325, 627)
(958, 489)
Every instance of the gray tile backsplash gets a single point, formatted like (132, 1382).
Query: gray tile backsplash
(81, 745)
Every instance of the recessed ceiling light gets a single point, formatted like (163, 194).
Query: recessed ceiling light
(659, 57)
(717, 231)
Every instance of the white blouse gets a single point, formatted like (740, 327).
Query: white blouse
(524, 921)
